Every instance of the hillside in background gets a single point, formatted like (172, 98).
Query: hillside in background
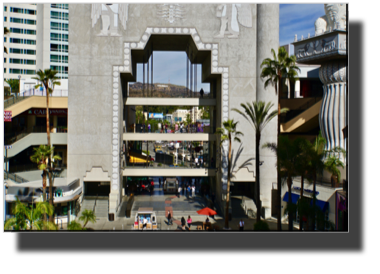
(161, 91)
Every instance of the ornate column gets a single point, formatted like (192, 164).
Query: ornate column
(332, 116)
(267, 39)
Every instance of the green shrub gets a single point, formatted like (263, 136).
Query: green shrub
(261, 226)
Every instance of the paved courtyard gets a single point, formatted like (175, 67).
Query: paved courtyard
(179, 207)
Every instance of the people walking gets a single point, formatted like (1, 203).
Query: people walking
(189, 221)
(188, 191)
(193, 191)
(170, 222)
(148, 127)
(179, 192)
(183, 223)
(159, 182)
(241, 224)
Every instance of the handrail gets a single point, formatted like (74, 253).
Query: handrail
(11, 138)
(294, 113)
(13, 100)
(14, 177)
(93, 210)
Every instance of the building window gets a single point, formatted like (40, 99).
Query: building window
(16, 20)
(59, 37)
(29, 51)
(5, 19)
(17, 51)
(29, 22)
(59, 26)
(59, 48)
(29, 71)
(5, 70)
(31, 12)
(16, 30)
(29, 62)
(17, 10)
(5, 39)
(5, 60)
(16, 40)
(15, 71)
(30, 31)
(5, 8)
(59, 15)
(15, 61)
(60, 6)
(29, 42)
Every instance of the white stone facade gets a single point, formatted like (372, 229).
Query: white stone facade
(100, 66)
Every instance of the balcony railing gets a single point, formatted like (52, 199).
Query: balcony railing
(13, 137)
(37, 92)
(141, 128)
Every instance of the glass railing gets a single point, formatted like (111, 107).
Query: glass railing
(169, 154)
(193, 128)
(13, 137)
(165, 91)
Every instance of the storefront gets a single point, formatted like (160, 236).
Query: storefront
(341, 222)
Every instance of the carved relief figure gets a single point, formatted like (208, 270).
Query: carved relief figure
(171, 12)
(334, 18)
(110, 14)
(231, 15)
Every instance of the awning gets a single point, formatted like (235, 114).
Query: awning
(295, 197)
(321, 204)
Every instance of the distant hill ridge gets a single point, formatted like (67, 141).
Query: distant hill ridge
(160, 90)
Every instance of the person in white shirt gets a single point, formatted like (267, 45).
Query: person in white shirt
(241, 224)
(145, 222)
(196, 162)
(193, 191)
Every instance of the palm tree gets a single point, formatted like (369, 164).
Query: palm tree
(274, 70)
(87, 216)
(139, 116)
(74, 226)
(14, 84)
(302, 167)
(288, 154)
(30, 217)
(258, 115)
(227, 132)
(6, 31)
(41, 157)
(48, 80)
(332, 165)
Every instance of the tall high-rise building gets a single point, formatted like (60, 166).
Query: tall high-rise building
(38, 39)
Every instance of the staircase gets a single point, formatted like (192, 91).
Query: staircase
(101, 206)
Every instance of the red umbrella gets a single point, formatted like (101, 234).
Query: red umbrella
(206, 211)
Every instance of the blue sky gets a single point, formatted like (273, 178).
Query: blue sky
(294, 19)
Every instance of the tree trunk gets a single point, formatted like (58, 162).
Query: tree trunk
(314, 202)
(278, 167)
(228, 182)
(44, 190)
(258, 201)
(51, 218)
(289, 181)
(300, 216)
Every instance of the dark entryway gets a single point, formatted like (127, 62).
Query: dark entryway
(97, 189)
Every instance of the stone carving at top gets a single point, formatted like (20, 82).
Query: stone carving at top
(231, 15)
(110, 15)
(171, 12)
(334, 19)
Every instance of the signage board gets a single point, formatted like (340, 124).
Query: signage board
(42, 111)
(156, 115)
(7, 147)
(7, 116)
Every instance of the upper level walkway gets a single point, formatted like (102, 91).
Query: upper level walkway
(133, 101)
(36, 102)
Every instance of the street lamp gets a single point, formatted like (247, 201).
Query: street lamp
(19, 84)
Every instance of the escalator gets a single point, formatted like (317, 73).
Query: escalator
(305, 121)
